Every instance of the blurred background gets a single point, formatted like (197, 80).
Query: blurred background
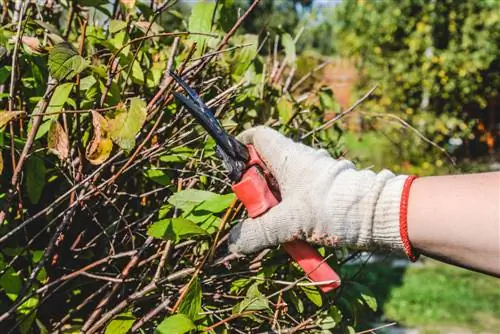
(437, 68)
(436, 65)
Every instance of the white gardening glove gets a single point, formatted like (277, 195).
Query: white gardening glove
(324, 201)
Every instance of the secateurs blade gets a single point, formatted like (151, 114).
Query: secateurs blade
(254, 184)
(232, 152)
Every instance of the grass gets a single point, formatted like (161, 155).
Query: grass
(437, 294)
(433, 297)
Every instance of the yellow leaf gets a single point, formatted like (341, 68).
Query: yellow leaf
(6, 116)
(128, 3)
(58, 142)
(101, 145)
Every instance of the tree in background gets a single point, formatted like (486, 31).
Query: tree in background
(437, 64)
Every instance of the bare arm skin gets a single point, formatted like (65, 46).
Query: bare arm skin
(456, 219)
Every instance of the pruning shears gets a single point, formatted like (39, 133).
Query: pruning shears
(253, 184)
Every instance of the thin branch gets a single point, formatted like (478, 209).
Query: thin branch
(341, 115)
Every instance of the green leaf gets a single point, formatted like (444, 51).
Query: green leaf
(239, 284)
(127, 123)
(4, 74)
(26, 322)
(364, 295)
(201, 21)
(289, 46)
(164, 210)
(228, 15)
(137, 73)
(178, 155)
(175, 324)
(58, 99)
(121, 324)
(285, 109)
(87, 82)
(175, 229)
(11, 283)
(296, 301)
(216, 204)
(254, 301)
(65, 62)
(243, 57)
(157, 176)
(191, 304)
(313, 294)
(92, 3)
(331, 319)
(328, 101)
(35, 178)
(117, 25)
(187, 199)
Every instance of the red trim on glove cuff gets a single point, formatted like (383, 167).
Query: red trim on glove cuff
(403, 220)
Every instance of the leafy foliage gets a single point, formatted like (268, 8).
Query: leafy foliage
(116, 204)
(437, 66)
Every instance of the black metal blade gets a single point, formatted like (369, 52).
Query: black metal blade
(232, 152)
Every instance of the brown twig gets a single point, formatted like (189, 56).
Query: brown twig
(339, 116)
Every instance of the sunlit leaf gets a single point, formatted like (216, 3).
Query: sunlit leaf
(187, 199)
(175, 229)
(175, 324)
(200, 21)
(117, 25)
(158, 176)
(58, 99)
(6, 116)
(120, 324)
(289, 46)
(244, 56)
(285, 109)
(10, 282)
(99, 148)
(127, 123)
(216, 204)
(177, 155)
(58, 142)
(164, 210)
(137, 73)
(65, 62)
(331, 319)
(254, 301)
(128, 3)
(313, 294)
(191, 304)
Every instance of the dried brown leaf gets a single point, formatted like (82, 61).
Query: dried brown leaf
(32, 43)
(99, 148)
(6, 116)
(58, 142)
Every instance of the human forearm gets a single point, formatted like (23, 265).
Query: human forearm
(457, 219)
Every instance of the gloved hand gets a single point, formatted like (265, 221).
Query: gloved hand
(324, 201)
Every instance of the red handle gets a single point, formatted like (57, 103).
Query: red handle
(255, 192)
